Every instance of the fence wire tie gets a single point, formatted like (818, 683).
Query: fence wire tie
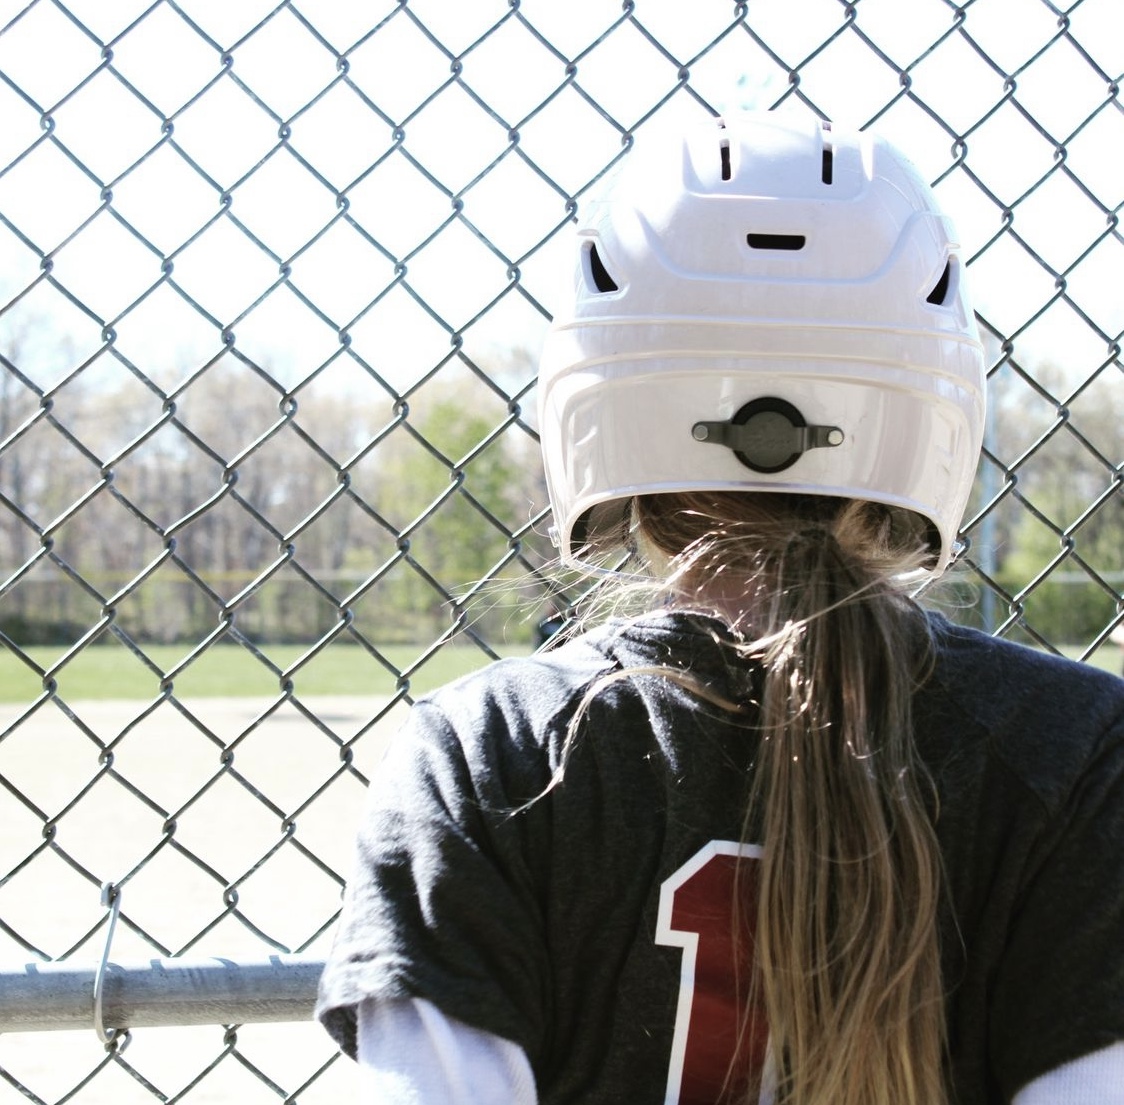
(114, 1039)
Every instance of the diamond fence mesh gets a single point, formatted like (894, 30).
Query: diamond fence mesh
(272, 281)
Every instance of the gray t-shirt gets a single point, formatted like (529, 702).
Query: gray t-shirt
(585, 926)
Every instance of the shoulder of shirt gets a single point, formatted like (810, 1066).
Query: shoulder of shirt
(998, 675)
(530, 692)
(1046, 716)
(542, 691)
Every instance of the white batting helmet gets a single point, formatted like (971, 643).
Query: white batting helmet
(768, 305)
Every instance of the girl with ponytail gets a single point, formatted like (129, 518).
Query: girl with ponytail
(782, 837)
(847, 889)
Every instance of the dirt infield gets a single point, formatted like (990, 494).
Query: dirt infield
(244, 783)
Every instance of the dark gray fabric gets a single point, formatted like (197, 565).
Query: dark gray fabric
(538, 923)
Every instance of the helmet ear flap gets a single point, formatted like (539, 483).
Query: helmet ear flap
(600, 528)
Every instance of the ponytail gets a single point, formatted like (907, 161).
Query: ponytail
(847, 969)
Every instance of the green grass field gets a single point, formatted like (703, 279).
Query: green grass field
(112, 671)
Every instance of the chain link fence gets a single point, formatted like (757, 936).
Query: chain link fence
(272, 282)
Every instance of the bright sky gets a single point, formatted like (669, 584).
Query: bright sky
(254, 172)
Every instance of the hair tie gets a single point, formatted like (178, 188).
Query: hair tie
(813, 541)
(814, 535)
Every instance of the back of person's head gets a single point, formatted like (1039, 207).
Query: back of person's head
(769, 387)
(763, 305)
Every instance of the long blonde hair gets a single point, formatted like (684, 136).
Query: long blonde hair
(846, 951)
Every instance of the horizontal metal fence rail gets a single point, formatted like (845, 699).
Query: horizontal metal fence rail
(272, 280)
(45, 997)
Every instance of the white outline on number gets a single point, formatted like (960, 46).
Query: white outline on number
(689, 943)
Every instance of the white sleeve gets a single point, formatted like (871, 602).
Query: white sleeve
(410, 1053)
(1094, 1079)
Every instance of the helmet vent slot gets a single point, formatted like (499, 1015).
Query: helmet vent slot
(775, 241)
(597, 276)
(939, 295)
(827, 163)
(724, 153)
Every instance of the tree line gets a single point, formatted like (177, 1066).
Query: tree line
(278, 515)
(231, 503)
(1053, 540)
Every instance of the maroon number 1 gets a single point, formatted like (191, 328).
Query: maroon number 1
(710, 1060)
